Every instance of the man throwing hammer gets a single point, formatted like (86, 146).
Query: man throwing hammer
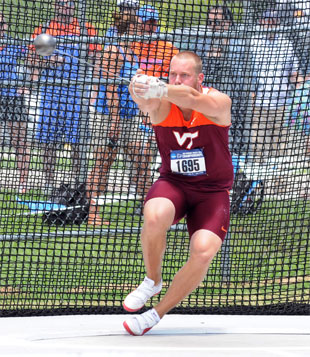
(191, 125)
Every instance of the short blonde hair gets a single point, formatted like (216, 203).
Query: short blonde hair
(191, 55)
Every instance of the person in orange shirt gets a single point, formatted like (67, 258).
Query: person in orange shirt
(154, 59)
(154, 56)
(59, 121)
(114, 119)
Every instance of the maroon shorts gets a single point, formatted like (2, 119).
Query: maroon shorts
(201, 208)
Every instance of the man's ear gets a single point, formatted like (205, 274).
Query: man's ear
(201, 77)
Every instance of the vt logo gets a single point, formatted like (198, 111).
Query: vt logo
(186, 136)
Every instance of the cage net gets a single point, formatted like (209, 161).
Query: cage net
(78, 157)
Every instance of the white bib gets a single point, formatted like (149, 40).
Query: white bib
(188, 162)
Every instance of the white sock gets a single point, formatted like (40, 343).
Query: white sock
(155, 315)
(149, 281)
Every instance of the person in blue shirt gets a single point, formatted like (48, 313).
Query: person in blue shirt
(115, 123)
(13, 111)
(60, 105)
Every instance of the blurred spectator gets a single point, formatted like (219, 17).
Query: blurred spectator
(13, 112)
(154, 55)
(292, 12)
(59, 121)
(219, 22)
(115, 121)
(298, 112)
(220, 18)
(275, 65)
(154, 58)
(126, 8)
(294, 16)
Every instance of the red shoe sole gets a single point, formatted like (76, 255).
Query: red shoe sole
(127, 328)
(131, 310)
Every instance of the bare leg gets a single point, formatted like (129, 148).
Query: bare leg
(141, 175)
(23, 163)
(97, 181)
(144, 179)
(203, 248)
(158, 217)
(19, 141)
(76, 160)
(49, 162)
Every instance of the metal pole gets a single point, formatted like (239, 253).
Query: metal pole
(84, 71)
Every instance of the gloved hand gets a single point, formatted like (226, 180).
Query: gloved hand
(148, 87)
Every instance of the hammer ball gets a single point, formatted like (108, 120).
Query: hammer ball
(45, 44)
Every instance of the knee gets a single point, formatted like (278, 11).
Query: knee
(156, 221)
(159, 217)
(204, 250)
(203, 258)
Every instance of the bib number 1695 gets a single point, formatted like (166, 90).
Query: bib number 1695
(188, 165)
(188, 162)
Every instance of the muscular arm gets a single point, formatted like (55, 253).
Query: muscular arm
(214, 105)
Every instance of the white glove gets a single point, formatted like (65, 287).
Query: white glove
(156, 88)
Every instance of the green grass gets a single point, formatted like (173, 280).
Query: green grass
(268, 255)
(48, 268)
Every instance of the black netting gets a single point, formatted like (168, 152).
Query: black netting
(77, 156)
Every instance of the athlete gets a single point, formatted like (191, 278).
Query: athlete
(191, 125)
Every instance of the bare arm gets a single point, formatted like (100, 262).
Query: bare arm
(214, 105)
(112, 62)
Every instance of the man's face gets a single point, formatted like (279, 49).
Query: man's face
(65, 8)
(216, 21)
(150, 26)
(183, 71)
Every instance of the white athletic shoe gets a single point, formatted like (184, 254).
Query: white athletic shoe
(136, 299)
(139, 325)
